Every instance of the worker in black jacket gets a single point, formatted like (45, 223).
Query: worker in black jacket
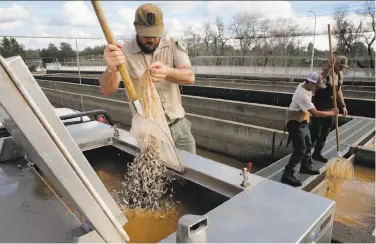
(323, 100)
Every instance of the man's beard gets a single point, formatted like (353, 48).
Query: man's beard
(144, 48)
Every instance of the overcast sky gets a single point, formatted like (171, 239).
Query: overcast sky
(77, 19)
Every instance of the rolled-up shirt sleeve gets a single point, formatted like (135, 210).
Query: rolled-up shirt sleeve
(180, 54)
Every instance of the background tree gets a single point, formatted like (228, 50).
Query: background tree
(96, 51)
(10, 47)
(245, 28)
(345, 32)
(66, 53)
(368, 12)
(49, 54)
(193, 40)
(219, 39)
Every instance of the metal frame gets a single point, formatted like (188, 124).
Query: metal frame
(96, 113)
(270, 212)
(252, 208)
(29, 128)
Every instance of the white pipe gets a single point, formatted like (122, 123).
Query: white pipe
(69, 158)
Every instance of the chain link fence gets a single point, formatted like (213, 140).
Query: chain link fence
(285, 66)
(268, 66)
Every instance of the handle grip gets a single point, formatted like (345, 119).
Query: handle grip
(333, 84)
(111, 40)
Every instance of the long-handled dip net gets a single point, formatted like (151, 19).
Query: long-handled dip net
(338, 172)
(147, 178)
(339, 169)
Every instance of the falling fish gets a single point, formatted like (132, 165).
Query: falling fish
(147, 180)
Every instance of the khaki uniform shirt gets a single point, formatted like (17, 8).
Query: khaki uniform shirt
(170, 55)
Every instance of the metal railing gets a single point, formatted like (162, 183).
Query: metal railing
(258, 66)
(285, 66)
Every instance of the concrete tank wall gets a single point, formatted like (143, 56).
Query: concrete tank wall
(355, 106)
(349, 86)
(237, 140)
(249, 113)
(273, 83)
(348, 80)
(290, 88)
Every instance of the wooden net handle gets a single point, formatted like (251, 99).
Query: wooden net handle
(333, 84)
(111, 40)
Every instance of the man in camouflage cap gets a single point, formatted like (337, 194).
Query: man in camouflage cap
(323, 100)
(167, 62)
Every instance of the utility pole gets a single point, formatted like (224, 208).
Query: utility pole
(313, 48)
(78, 61)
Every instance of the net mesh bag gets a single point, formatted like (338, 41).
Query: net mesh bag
(147, 179)
(338, 172)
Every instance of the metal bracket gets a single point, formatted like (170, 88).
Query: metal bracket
(96, 113)
(245, 182)
(116, 133)
(29, 164)
(192, 229)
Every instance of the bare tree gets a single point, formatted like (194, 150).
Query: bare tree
(207, 36)
(345, 31)
(219, 39)
(282, 40)
(193, 40)
(286, 32)
(264, 45)
(245, 28)
(369, 31)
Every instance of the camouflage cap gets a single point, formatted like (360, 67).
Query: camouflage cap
(342, 60)
(148, 21)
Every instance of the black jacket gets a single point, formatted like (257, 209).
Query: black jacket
(323, 98)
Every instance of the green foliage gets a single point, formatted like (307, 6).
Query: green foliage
(10, 47)
(97, 50)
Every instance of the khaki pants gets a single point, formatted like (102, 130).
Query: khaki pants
(182, 135)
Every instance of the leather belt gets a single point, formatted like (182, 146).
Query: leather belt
(175, 121)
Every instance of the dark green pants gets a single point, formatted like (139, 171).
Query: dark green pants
(301, 142)
(320, 129)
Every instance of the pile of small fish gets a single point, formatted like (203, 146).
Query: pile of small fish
(146, 181)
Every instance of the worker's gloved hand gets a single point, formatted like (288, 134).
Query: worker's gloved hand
(114, 56)
(158, 71)
(335, 111)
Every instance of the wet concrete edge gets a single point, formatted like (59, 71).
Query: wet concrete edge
(346, 234)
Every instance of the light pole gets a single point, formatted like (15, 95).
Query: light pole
(313, 48)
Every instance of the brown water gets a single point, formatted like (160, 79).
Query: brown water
(143, 225)
(355, 201)
(371, 144)
(151, 226)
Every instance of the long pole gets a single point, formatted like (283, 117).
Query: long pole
(314, 34)
(78, 61)
(334, 87)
